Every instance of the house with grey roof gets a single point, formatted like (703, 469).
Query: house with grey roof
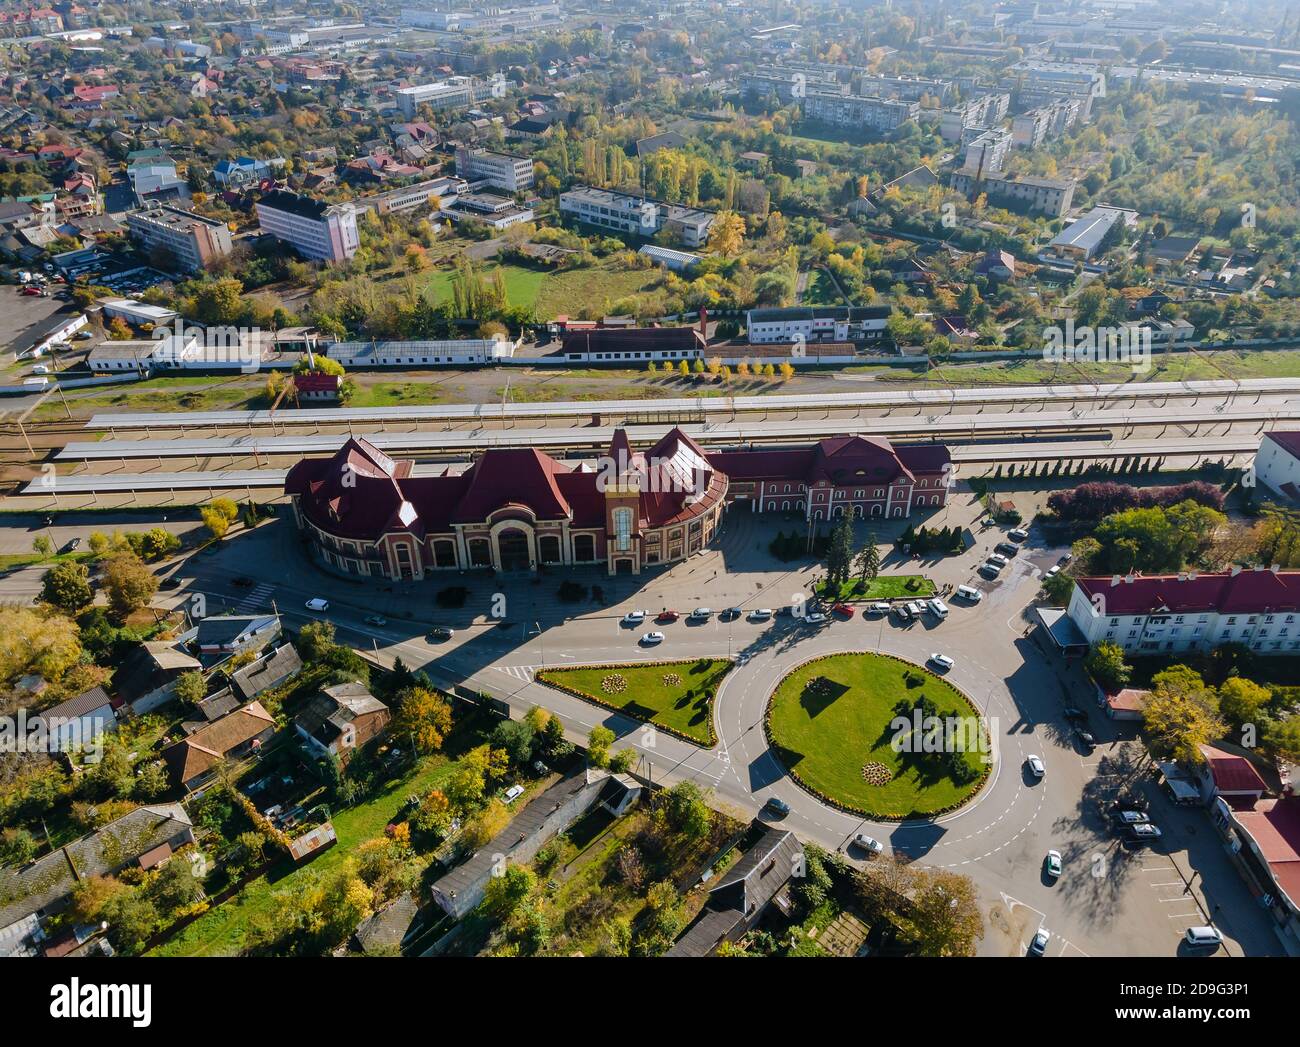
(271, 670)
(81, 721)
(341, 719)
(144, 839)
(741, 895)
(232, 633)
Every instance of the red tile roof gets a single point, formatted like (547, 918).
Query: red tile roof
(1247, 592)
(1232, 773)
(513, 476)
(1274, 825)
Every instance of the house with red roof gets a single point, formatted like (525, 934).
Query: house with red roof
(1277, 463)
(1257, 608)
(515, 509)
(1231, 776)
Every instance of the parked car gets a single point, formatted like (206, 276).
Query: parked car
(843, 610)
(1143, 833)
(998, 560)
(1131, 803)
(760, 614)
(1053, 864)
(916, 608)
(317, 604)
(701, 614)
(1038, 946)
(1036, 766)
(1086, 738)
(650, 639)
(1130, 817)
(70, 546)
(937, 608)
(1053, 571)
(667, 616)
(1006, 548)
(777, 806)
(40, 369)
(816, 618)
(870, 844)
(731, 614)
(969, 592)
(513, 793)
(1019, 534)
(1203, 937)
(903, 612)
(880, 607)
(441, 632)
(634, 618)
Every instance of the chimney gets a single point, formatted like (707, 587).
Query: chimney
(704, 323)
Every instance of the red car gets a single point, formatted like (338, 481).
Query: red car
(667, 616)
(36, 291)
(843, 610)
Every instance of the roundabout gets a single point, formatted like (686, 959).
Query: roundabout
(878, 736)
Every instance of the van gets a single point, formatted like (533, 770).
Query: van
(969, 592)
(880, 607)
(1203, 937)
(317, 604)
(937, 608)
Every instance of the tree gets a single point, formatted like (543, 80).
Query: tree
(215, 521)
(839, 553)
(598, 744)
(1242, 701)
(1106, 664)
(129, 583)
(505, 894)
(516, 737)
(434, 813)
(424, 716)
(35, 642)
(726, 234)
(867, 563)
(944, 916)
(486, 824)
(1181, 715)
(1058, 589)
(42, 546)
(66, 586)
(191, 687)
(685, 810)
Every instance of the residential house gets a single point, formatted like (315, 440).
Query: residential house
(231, 633)
(80, 722)
(143, 838)
(742, 894)
(1229, 775)
(192, 761)
(341, 719)
(147, 678)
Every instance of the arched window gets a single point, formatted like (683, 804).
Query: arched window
(771, 506)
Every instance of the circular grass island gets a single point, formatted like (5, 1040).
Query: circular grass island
(833, 722)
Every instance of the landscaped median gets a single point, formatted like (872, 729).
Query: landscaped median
(882, 587)
(676, 697)
(833, 722)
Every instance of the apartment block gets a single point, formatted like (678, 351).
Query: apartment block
(320, 231)
(858, 112)
(504, 171)
(1049, 196)
(986, 111)
(195, 242)
(1030, 130)
(626, 213)
(986, 150)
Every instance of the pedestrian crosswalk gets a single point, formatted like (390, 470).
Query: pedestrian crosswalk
(258, 599)
(519, 672)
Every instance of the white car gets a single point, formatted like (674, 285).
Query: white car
(1036, 766)
(816, 618)
(1054, 571)
(513, 793)
(634, 618)
(942, 661)
(998, 560)
(761, 614)
(969, 592)
(879, 607)
(701, 614)
(317, 604)
(868, 843)
(1038, 947)
(650, 639)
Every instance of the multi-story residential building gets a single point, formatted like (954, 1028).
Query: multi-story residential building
(505, 171)
(858, 112)
(1049, 196)
(787, 85)
(817, 324)
(1037, 84)
(986, 150)
(1030, 130)
(986, 111)
(455, 92)
(324, 232)
(153, 174)
(905, 88)
(638, 215)
(193, 241)
(1160, 614)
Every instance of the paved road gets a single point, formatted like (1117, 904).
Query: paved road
(1109, 902)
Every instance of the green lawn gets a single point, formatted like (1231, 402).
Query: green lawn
(552, 293)
(882, 587)
(683, 705)
(221, 931)
(825, 737)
